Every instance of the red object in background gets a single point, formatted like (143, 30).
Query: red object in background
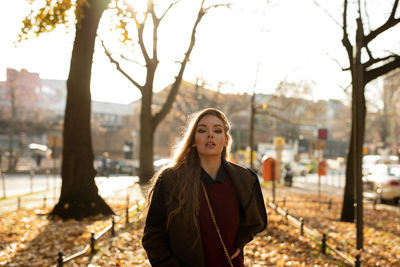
(322, 167)
(267, 170)
(322, 134)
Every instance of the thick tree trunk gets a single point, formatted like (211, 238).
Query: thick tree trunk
(79, 193)
(353, 198)
(348, 198)
(147, 129)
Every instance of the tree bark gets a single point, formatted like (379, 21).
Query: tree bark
(79, 194)
(147, 130)
(352, 201)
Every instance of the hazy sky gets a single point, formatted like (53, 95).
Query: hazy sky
(293, 40)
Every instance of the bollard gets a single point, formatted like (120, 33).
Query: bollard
(92, 241)
(357, 262)
(329, 204)
(60, 260)
(44, 201)
(301, 226)
(18, 203)
(323, 245)
(284, 202)
(112, 226)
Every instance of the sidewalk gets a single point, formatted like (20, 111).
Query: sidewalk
(111, 189)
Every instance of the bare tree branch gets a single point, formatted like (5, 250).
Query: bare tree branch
(327, 12)
(382, 70)
(170, 6)
(174, 90)
(377, 60)
(118, 66)
(140, 29)
(131, 60)
(215, 6)
(345, 40)
(391, 22)
(156, 23)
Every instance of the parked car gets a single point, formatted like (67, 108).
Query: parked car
(121, 167)
(160, 163)
(383, 183)
(298, 169)
(311, 165)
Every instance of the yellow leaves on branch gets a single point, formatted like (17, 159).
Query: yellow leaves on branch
(46, 17)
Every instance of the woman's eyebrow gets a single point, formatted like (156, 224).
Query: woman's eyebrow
(215, 125)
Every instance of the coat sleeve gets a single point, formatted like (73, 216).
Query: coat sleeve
(255, 216)
(155, 237)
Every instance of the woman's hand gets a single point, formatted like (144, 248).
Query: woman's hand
(237, 252)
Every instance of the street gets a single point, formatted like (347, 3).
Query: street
(25, 191)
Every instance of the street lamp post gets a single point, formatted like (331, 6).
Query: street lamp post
(251, 138)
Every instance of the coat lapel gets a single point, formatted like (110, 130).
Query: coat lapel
(241, 179)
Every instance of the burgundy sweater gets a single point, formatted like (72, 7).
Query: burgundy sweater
(225, 205)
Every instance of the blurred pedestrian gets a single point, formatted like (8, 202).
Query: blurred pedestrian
(105, 165)
(203, 209)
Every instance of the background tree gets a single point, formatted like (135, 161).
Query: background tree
(79, 194)
(150, 117)
(363, 68)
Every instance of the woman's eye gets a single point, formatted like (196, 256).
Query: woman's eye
(201, 131)
(218, 131)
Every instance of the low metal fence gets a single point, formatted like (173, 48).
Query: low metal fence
(90, 248)
(314, 233)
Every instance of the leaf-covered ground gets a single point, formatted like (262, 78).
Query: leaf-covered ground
(27, 239)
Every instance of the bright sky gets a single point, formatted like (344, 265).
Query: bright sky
(298, 42)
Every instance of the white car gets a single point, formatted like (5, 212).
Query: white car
(383, 182)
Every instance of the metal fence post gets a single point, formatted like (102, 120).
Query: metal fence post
(44, 201)
(3, 180)
(286, 216)
(112, 226)
(92, 241)
(330, 204)
(323, 245)
(284, 201)
(47, 179)
(31, 174)
(127, 215)
(357, 262)
(60, 260)
(301, 226)
(18, 203)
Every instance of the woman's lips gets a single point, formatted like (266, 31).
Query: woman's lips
(210, 144)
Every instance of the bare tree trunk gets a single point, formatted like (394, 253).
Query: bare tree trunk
(147, 130)
(352, 201)
(79, 193)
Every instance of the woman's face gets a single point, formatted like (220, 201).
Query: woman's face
(210, 137)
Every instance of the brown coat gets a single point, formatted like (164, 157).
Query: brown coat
(176, 246)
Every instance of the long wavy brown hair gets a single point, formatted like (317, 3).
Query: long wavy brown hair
(185, 166)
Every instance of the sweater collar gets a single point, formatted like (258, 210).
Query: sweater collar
(206, 178)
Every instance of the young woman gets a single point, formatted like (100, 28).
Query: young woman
(204, 209)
